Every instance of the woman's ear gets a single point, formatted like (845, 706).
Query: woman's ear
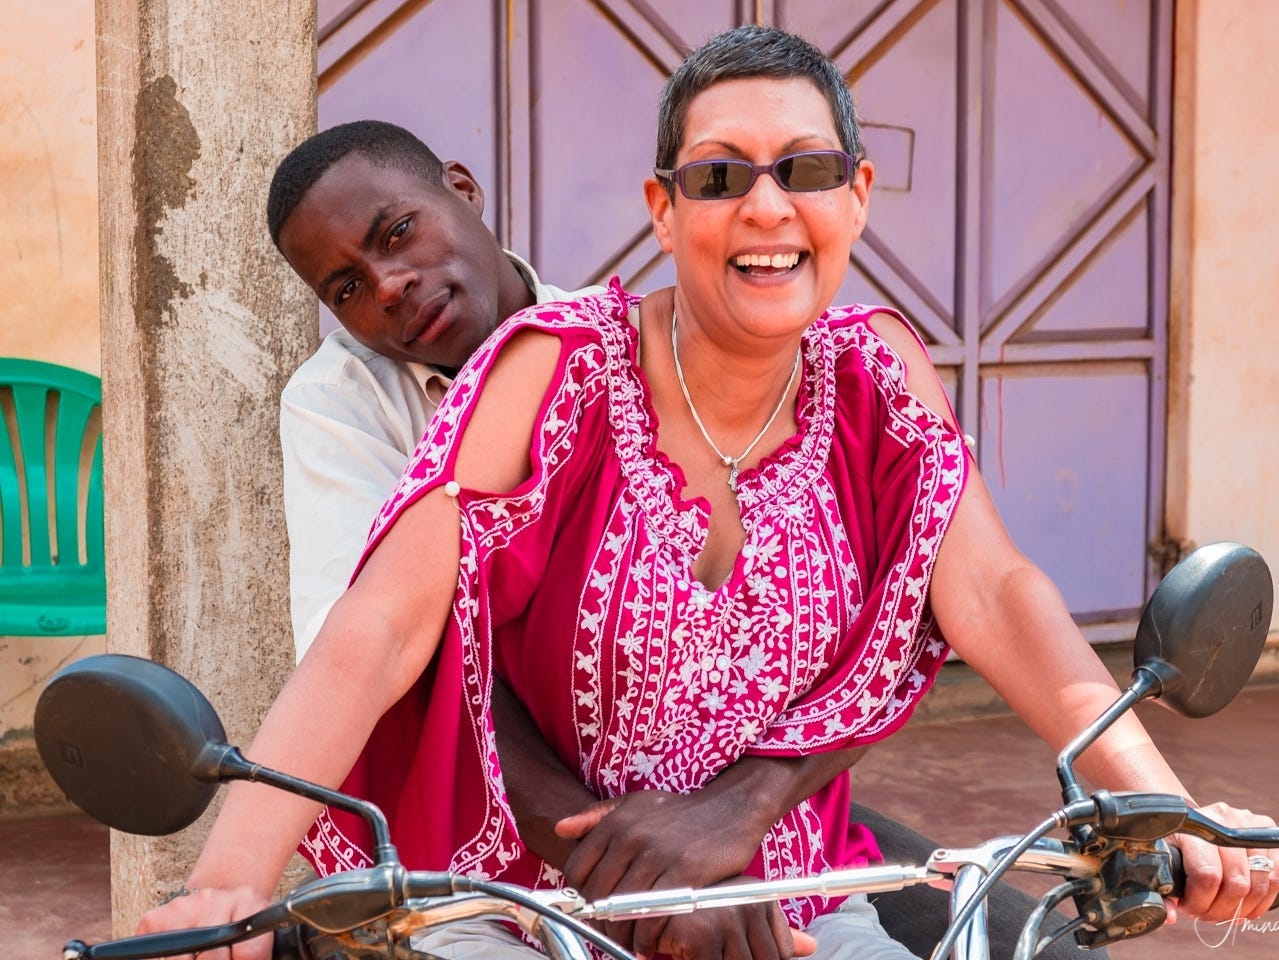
(460, 180)
(660, 205)
(860, 185)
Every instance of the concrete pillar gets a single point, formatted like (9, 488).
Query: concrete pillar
(202, 323)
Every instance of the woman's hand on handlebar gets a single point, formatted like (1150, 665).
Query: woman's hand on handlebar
(206, 907)
(1220, 886)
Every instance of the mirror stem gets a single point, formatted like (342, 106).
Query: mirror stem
(1149, 680)
(220, 762)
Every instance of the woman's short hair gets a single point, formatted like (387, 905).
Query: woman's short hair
(744, 53)
(381, 143)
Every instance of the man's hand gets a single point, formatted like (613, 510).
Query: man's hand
(628, 843)
(653, 840)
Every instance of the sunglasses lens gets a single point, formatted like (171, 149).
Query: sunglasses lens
(799, 173)
(716, 179)
(807, 172)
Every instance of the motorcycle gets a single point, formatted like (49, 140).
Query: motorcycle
(139, 748)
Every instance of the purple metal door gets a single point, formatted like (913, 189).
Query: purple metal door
(1019, 214)
(1020, 218)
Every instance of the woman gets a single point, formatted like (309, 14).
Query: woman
(716, 524)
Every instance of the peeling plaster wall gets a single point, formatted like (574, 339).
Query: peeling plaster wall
(202, 324)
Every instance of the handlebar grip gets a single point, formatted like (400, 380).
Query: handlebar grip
(1178, 871)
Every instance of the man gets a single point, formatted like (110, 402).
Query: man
(392, 240)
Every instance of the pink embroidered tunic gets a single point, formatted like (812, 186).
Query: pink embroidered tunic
(576, 589)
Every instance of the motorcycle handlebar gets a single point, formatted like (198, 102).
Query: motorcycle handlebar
(1133, 816)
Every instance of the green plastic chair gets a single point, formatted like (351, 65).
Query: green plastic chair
(52, 575)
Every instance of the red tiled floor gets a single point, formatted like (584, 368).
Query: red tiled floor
(959, 782)
(54, 884)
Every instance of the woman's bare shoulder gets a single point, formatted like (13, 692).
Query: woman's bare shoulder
(921, 375)
(494, 454)
(896, 331)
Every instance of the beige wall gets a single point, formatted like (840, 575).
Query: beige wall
(1223, 479)
(48, 184)
(49, 275)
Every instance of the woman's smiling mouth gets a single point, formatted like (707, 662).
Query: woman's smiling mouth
(767, 264)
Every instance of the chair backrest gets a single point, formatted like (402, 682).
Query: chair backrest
(52, 573)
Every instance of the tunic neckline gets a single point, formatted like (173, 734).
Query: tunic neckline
(779, 481)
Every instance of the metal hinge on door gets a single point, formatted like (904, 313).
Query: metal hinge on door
(1166, 551)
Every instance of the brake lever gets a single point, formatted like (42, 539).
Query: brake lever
(1133, 817)
(172, 943)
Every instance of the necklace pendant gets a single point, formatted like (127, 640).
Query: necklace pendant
(730, 462)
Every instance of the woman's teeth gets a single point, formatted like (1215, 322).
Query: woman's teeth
(778, 261)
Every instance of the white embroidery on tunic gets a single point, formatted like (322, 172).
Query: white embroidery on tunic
(672, 681)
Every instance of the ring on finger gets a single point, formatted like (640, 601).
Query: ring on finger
(1260, 863)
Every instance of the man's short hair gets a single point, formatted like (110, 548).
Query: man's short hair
(379, 142)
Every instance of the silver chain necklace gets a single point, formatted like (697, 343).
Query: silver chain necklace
(731, 462)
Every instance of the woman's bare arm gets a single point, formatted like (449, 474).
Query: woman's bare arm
(1008, 621)
(375, 643)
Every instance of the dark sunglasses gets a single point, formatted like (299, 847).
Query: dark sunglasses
(797, 172)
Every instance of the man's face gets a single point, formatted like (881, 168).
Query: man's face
(407, 266)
